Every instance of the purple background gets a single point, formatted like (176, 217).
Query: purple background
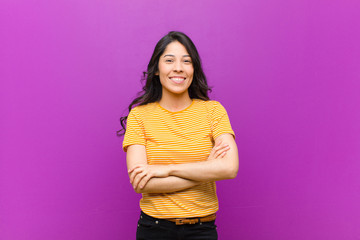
(287, 72)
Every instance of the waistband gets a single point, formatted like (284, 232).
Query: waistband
(182, 221)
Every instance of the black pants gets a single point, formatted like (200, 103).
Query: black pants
(150, 228)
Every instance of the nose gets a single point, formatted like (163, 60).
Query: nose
(177, 66)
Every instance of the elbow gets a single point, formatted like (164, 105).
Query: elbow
(139, 190)
(231, 172)
(226, 171)
(144, 190)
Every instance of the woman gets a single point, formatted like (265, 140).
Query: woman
(178, 143)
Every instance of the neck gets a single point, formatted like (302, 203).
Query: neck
(175, 102)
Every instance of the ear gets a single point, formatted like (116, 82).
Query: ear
(157, 73)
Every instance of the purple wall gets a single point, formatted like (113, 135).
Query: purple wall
(287, 72)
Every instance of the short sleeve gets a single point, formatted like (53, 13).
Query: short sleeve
(220, 122)
(134, 133)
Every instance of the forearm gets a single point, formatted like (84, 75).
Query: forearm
(166, 185)
(222, 163)
(214, 170)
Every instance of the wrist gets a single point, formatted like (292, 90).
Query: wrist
(171, 168)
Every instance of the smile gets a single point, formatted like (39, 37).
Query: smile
(177, 79)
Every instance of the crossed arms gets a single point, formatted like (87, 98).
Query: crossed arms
(222, 163)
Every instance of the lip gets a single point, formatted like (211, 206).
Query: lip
(177, 82)
(177, 77)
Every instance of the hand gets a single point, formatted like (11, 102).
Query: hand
(142, 173)
(218, 151)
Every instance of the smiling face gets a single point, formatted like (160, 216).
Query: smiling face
(175, 70)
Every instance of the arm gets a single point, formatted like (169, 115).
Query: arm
(136, 155)
(213, 169)
(166, 185)
(223, 163)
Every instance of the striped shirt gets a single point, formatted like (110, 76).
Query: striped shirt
(173, 138)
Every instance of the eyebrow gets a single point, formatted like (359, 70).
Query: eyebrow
(170, 55)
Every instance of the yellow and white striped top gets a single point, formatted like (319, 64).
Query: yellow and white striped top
(173, 138)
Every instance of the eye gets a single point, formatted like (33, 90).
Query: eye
(187, 61)
(168, 60)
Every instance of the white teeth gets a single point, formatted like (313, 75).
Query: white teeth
(178, 79)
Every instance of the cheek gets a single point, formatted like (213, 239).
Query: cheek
(191, 74)
(190, 70)
(163, 70)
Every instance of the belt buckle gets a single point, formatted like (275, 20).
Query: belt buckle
(182, 221)
(179, 221)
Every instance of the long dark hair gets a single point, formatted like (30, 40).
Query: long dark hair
(152, 91)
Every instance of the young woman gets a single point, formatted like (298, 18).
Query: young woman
(178, 143)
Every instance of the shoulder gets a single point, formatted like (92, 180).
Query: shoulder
(142, 109)
(211, 105)
(141, 112)
(212, 108)
(208, 103)
(214, 104)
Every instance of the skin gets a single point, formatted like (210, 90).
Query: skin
(159, 179)
(175, 61)
(223, 161)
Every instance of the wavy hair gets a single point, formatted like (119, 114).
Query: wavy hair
(152, 90)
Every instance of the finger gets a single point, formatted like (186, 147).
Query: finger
(144, 181)
(223, 154)
(217, 154)
(214, 150)
(135, 167)
(222, 148)
(132, 169)
(132, 177)
(138, 179)
(221, 151)
(212, 153)
(135, 173)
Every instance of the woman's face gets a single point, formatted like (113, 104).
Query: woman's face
(175, 69)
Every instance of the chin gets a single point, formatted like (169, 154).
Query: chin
(177, 92)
